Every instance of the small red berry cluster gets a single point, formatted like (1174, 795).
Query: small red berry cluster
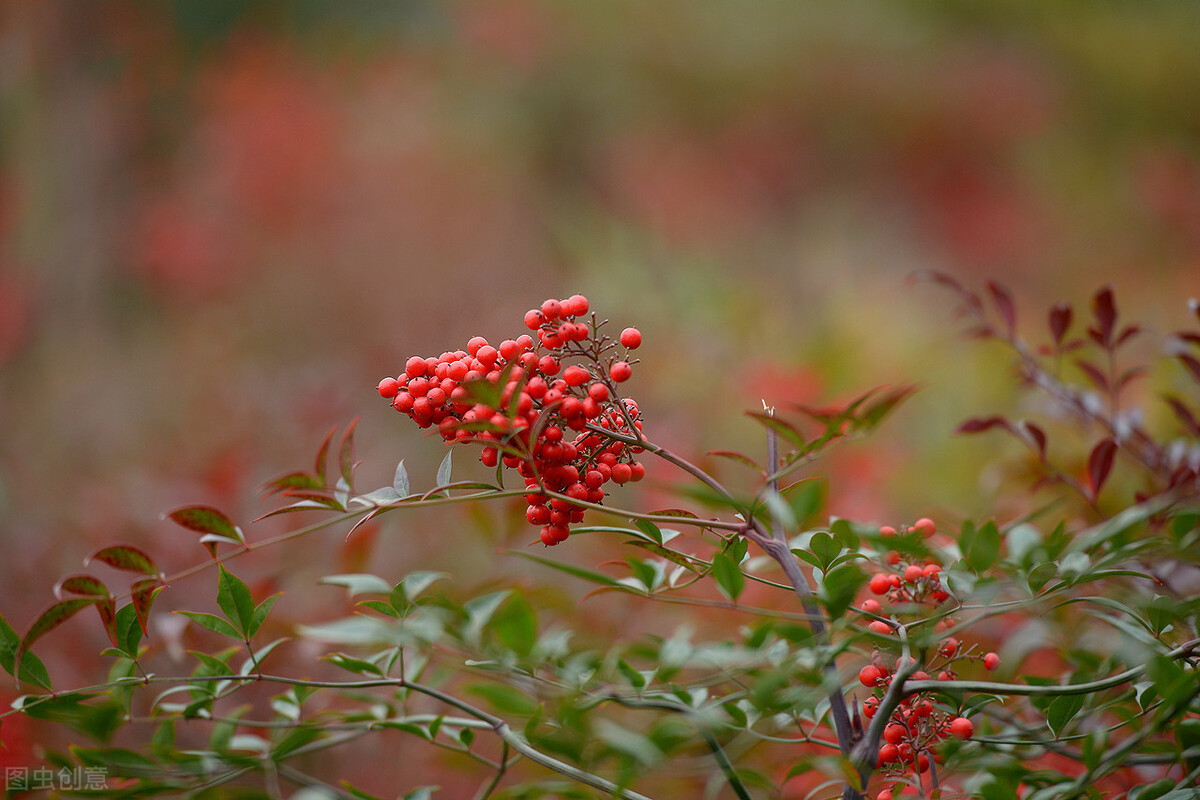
(521, 399)
(917, 726)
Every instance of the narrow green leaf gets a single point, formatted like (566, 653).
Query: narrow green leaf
(33, 671)
(504, 698)
(444, 469)
(728, 576)
(212, 622)
(400, 481)
(127, 558)
(129, 631)
(579, 572)
(50, 619)
(1062, 710)
(355, 665)
(235, 601)
(358, 583)
(260, 614)
(650, 529)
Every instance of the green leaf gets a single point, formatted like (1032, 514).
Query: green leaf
(127, 558)
(779, 426)
(504, 698)
(33, 671)
(85, 585)
(421, 793)
(579, 572)
(260, 614)
(129, 631)
(728, 576)
(400, 481)
(212, 622)
(839, 587)
(235, 601)
(50, 619)
(805, 497)
(984, 547)
(650, 529)
(1062, 710)
(479, 613)
(444, 469)
(346, 454)
(515, 625)
(358, 583)
(627, 742)
(824, 548)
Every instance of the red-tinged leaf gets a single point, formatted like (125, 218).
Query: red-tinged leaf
(1181, 477)
(1060, 321)
(1127, 333)
(143, 593)
(322, 456)
(874, 413)
(1184, 414)
(346, 453)
(673, 512)
(1007, 309)
(1037, 436)
(1187, 336)
(783, 428)
(980, 332)
(206, 519)
(1105, 310)
(363, 520)
(1100, 464)
(980, 424)
(50, 619)
(292, 480)
(1093, 374)
(1192, 365)
(738, 457)
(108, 618)
(81, 584)
(1129, 375)
(127, 558)
(969, 299)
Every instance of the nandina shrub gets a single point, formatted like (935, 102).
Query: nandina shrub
(1050, 655)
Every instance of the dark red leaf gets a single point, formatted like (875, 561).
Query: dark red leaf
(1191, 338)
(738, 457)
(1127, 333)
(980, 424)
(1093, 374)
(1184, 414)
(1100, 464)
(1060, 321)
(81, 584)
(1181, 477)
(1037, 436)
(346, 454)
(143, 593)
(1129, 375)
(1193, 366)
(319, 464)
(206, 519)
(108, 617)
(292, 480)
(1004, 305)
(127, 558)
(1105, 310)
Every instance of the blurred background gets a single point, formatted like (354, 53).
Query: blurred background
(222, 222)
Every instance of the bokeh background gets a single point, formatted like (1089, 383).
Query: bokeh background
(222, 222)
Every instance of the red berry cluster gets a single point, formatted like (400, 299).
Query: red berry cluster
(917, 726)
(558, 424)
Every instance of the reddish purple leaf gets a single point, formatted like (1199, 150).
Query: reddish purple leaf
(980, 424)
(206, 519)
(1127, 333)
(738, 457)
(1105, 310)
(1060, 321)
(81, 584)
(1192, 365)
(1129, 375)
(1004, 305)
(346, 455)
(108, 617)
(1191, 338)
(1100, 464)
(292, 480)
(1184, 414)
(127, 558)
(1037, 436)
(319, 464)
(1181, 477)
(1094, 374)
(143, 593)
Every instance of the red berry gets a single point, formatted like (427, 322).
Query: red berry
(552, 309)
(894, 734)
(620, 371)
(870, 706)
(887, 530)
(403, 402)
(991, 661)
(887, 754)
(870, 605)
(913, 573)
(548, 537)
(388, 387)
(534, 319)
(637, 471)
(549, 365)
(575, 306)
(474, 343)
(415, 367)
(880, 627)
(949, 647)
(631, 338)
(598, 392)
(622, 473)
(925, 526)
(880, 583)
(537, 515)
(576, 375)
(884, 795)
(868, 676)
(961, 728)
